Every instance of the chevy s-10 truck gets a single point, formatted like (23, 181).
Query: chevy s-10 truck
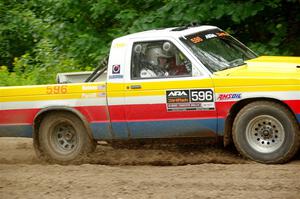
(181, 83)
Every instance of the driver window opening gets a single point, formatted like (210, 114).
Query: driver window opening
(159, 59)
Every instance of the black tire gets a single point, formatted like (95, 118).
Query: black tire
(266, 132)
(63, 139)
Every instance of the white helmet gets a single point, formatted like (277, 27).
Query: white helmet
(153, 53)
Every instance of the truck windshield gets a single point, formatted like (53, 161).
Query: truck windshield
(217, 50)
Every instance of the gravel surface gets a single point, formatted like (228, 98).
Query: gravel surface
(168, 172)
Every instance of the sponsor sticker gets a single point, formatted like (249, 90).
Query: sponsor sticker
(116, 69)
(196, 39)
(89, 88)
(178, 96)
(93, 95)
(119, 45)
(101, 87)
(115, 77)
(187, 100)
(229, 96)
(222, 34)
(88, 95)
(102, 94)
(209, 36)
(202, 36)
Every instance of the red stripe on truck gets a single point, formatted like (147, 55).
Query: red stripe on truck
(20, 116)
(294, 105)
(138, 112)
(26, 116)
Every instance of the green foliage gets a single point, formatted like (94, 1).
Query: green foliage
(39, 38)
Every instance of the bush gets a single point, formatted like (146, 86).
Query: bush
(40, 38)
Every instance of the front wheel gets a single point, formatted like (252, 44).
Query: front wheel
(63, 139)
(266, 132)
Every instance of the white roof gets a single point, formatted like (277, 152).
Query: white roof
(168, 32)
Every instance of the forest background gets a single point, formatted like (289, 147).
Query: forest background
(39, 38)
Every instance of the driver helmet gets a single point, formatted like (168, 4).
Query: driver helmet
(157, 56)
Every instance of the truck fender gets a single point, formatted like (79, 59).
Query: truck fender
(235, 108)
(39, 116)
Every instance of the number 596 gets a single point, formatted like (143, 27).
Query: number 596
(57, 89)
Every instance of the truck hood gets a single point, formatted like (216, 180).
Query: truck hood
(266, 72)
(267, 67)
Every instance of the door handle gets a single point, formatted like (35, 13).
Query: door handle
(135, 86)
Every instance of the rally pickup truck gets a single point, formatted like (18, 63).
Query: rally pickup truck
(182, 83)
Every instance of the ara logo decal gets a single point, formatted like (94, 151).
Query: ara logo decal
(227, 97)
(177, 93)
(209, 36)
(178, 96)
(116, 69)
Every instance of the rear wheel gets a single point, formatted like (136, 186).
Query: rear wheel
(266, 132)
(63, 139)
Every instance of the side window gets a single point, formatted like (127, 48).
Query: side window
(158, 59)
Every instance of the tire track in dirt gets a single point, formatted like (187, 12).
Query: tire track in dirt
(20, 150)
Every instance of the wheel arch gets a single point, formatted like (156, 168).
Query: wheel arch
(44, 112)
(227, 139)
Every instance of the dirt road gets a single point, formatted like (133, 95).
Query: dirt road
(109, 173)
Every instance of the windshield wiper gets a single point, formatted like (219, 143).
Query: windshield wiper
(225, 68)
(228, 67)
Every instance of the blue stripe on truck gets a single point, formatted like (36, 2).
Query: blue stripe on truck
(148, 129)
(16, 130)
(298, 117)
(159, 129)
(173, 128)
